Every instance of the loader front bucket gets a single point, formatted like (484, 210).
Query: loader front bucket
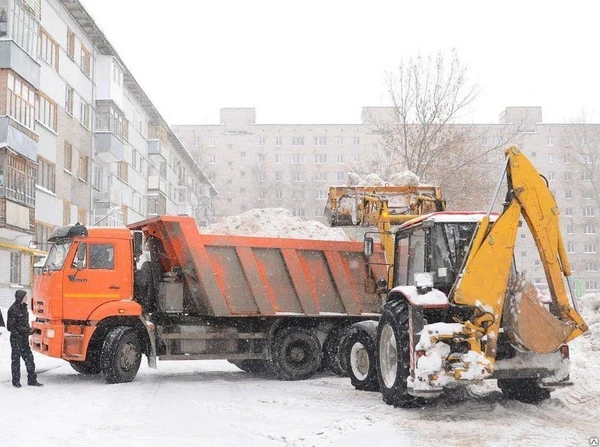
(529, 325)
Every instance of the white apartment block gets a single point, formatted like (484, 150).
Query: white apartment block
(292, 166)
(79, 139)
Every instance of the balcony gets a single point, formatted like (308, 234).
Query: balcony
(108, 147)
(14, 58)
(156, 183)
(109, 198)
(19, 138)
(15, 219)
(157, 150)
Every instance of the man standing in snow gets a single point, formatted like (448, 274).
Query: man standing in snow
(17, 322)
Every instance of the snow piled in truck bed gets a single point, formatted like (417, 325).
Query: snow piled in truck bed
(274, 222)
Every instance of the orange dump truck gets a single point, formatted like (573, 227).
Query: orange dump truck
(160, 288)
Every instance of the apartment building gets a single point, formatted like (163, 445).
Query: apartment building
(80, 140)
(292, 166)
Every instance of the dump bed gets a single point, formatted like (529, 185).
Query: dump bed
(227, 275)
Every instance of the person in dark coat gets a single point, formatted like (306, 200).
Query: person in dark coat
(17, 323)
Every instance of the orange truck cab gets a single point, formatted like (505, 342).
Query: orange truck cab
(261, 303)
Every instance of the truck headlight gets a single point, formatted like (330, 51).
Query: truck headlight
(50, 333)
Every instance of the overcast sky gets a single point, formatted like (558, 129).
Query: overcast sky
(320, 61)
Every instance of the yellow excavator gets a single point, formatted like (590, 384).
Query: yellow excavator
(458, 312)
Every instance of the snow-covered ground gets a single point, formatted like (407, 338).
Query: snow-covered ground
(212, 403)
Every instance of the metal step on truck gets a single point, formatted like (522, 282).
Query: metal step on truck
(106, 296)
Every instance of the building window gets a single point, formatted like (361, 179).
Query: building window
(46, 174)
(212, 159)
(320, 177)
(297, 141)
(24, 28)
(319, 212)
(46, 111)
(42, 233)
(587, 159)
(589, 211)
(278, 176)
(262, 176)
(48, 49)
(321, 195)
(69, 100)
(591, 285)
(279, 194)
(298, 177)
(298, 212)
(567, 159)
(340, 159)
(340, 141)
(212, 142)
(17, 178)
(587, 194)
(568, 194)
(261, 158)
(550, 158)
(85, 113)
(589, 248)
(551, 176)
(320, 141)
(298, 159)
(261, 194)
(21, 101)
(85, 61)
(570, 247)
(68, 157)
(277, 141)
(243, 154)
(569, 212)
(321, 159)
(83, 167)
(550, 140)
(82, 215)
(15, 267)
(568, 176)
(569, 230)
(341, 176)
(356, 141)
(71, 43)
(591, 266)
(66, 212)
(590, 229)
(261, 141)
(278, 159)
(98, 179)
(356, 158)
(586, 176)
(117, 73)
(123, 171)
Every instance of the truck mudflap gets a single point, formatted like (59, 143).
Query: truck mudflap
(151, 351)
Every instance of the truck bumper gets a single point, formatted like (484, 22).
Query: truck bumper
(68, 342)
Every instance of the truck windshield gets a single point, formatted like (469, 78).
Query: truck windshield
(58, 253)
(449, 244)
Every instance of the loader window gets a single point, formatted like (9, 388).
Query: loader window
(416, 254)
(401, 261)
(449, 244)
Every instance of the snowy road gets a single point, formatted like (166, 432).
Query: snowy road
(212, 403)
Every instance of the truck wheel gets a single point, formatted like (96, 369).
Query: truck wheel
(362, 358)
(121, 355)
(89, 366)
(295, 353)
(251, 366)
(393, 354)
(524, 390)
(335, 356)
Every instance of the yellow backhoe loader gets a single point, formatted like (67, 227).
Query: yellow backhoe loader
(457, 311)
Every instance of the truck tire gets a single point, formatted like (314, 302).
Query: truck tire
(121, 355)
(393, 354)
(523, 390)
(335, 356)
(295, 353)
(362, 356)
(251, 366)
(87, 367)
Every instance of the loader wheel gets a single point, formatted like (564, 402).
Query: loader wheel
(523, 390)
(334, 352)
(295, 353)
(121, 355)
(251, 366)
(362, 357)
(393, 354)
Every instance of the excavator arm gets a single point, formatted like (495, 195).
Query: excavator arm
(485, 284)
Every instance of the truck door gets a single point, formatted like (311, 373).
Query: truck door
(95, 275)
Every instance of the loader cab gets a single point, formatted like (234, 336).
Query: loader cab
(436, 243)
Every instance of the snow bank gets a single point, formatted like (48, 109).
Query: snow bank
(589, 308)
(274, 222)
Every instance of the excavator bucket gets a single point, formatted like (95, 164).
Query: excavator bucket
(528, 323)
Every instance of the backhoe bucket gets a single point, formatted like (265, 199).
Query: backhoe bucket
(529, 325)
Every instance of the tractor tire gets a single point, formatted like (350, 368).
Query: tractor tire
(523, 390)
(295, 353)
(393, 355)
(121, 355)
(362, 354)
(252, 366)
(89, 366)
(334, 353)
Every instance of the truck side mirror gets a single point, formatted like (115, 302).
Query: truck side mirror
(80, 256)
(368, 246)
